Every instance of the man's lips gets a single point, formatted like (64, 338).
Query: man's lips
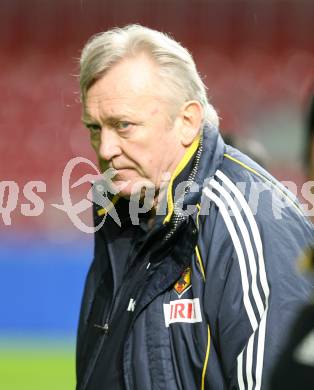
(119, 168)
(121, 173)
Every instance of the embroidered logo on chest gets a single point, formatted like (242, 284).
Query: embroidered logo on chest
(184, 283)
(182, 310)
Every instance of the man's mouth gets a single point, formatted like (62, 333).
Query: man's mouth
(120, 173)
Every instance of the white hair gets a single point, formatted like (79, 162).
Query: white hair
(176, 65)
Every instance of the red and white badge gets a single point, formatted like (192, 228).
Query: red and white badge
(182, 310)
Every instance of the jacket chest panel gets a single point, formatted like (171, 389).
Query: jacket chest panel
(169, 346)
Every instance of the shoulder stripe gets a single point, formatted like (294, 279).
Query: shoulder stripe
(243, 272)
(267, 180)
(249, 362)
(240, 254)
(247, 241)
(264, 283)
(260, 350)
(239, 372)
(253, 226)
(244, 165)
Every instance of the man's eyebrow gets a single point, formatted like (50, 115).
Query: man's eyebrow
(87, 120)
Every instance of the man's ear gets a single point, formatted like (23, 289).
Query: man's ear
(191, 115)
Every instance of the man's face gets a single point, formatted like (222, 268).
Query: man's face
(130, 125)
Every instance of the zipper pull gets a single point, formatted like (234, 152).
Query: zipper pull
(104, 328)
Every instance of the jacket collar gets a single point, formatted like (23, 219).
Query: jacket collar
(212, 149)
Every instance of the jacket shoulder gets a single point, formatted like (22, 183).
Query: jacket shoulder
(242, 198)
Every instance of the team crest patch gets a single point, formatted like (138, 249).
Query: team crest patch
(184, 283)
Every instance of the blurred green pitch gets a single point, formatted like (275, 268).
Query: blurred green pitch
(31, 366)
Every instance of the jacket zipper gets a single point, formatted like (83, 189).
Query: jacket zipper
(105, 327)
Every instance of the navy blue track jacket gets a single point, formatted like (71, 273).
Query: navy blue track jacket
(223, 286)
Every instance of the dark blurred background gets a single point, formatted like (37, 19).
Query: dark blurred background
(257, 60)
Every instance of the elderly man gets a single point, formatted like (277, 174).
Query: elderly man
(196, 293)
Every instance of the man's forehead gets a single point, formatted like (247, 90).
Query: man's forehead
(118, 106)
(129, 77)
(91, 113)
(128, 105)
(128, 87)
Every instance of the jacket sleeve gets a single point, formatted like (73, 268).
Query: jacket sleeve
(252, 290)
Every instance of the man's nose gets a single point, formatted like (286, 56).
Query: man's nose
(109, 144)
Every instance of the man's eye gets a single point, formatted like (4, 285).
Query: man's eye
(124, 125)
